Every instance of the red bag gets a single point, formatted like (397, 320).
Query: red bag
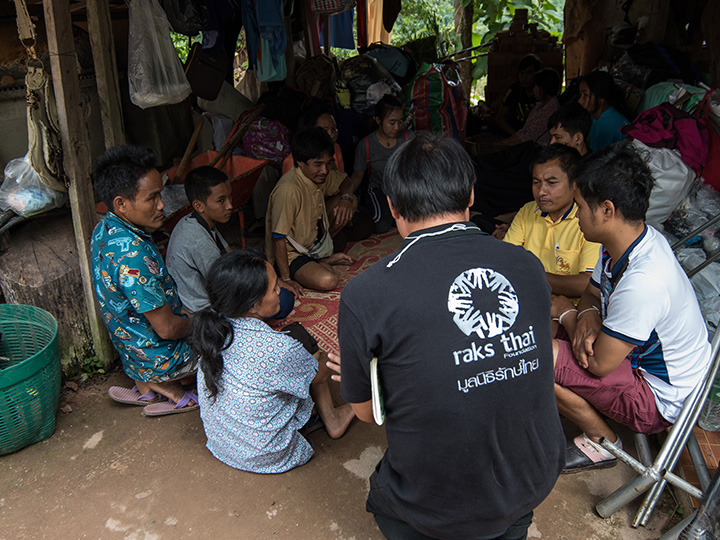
(711, 171)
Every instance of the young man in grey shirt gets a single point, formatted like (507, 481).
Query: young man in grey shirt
(196, 243)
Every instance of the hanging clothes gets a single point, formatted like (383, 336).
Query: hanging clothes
(266, 39)
(252, 31)
(391, 10)
(311, 22)
(375, 30)
(362, 35)
(213, 36)
(341, 30)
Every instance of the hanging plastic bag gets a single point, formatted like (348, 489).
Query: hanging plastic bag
(24, 192)
(155, 73)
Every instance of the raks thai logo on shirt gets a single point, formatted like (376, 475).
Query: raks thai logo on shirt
(483, 302)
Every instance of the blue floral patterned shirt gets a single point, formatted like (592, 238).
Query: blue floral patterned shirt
(130, 278)
(263, 399)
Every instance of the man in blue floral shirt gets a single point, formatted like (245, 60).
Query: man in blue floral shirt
(137, 296)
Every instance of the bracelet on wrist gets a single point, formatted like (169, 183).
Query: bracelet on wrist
(347, 198)
(591, 308)
(560, 318)
(286, 279)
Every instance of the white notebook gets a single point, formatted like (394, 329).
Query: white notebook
(378, 404)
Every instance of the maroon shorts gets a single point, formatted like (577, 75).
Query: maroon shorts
(622, 395)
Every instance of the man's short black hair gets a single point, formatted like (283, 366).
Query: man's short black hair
(573, 119)
(118, 172)
(429, 176)
(618, 174)
(530, 60)
(311, 143)
(200, 181)
(548, 80)
(567, 157)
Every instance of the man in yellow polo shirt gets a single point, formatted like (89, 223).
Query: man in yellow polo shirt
(548, 226)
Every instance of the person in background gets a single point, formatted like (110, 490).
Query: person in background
(374, 151)
(140, 305)
(545, 89)
(309, 208)
(638, 343)
(322, 118)
(548, 227)
(570, 125)
(195, 242)
(257, 386)
(519, 98)
(603, 100)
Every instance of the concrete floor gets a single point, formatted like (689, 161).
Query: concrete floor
(110, 473)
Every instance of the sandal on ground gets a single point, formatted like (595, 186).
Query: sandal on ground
(313, 424)
(170, 407)
(133, 396)
(581, 456)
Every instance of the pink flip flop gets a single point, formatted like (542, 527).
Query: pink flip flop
(133, 396)
(169, 407)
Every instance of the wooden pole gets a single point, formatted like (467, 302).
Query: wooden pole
(463, 26)
(76, 151)
(289, 54)
(103, 50)
(326, 33)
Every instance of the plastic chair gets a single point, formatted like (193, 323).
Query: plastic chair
(654, 475)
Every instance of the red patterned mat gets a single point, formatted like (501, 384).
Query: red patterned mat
(318, 311)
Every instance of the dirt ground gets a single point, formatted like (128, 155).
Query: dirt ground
(110, 473)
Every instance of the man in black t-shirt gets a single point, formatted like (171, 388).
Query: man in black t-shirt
(460, 324)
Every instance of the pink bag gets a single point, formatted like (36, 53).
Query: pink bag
(267, 139)
(711, 172)
(666, 126)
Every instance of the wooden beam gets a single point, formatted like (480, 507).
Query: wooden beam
(103, 49)
(326, 33)
(76, 152)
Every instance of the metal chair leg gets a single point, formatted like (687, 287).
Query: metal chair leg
(673, 533)
(642, 445)
(698, 460)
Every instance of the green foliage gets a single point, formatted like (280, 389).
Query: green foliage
(91, 365)
(425, 18)
(183, 43)
(492, 16)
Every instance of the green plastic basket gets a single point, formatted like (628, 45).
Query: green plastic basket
(29, 376)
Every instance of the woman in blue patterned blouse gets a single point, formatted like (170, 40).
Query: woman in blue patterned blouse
(257, 387)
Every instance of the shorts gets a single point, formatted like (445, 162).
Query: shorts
(298, 333)
(623, 395)
(298, 263)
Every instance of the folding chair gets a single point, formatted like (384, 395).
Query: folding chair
(654, 475)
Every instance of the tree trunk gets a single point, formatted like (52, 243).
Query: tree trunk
(41, 268)
(463, 25)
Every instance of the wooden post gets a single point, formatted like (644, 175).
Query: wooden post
(76, 151)
(103, 50)
(289, 54)
(463, 26)
(326, 33)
